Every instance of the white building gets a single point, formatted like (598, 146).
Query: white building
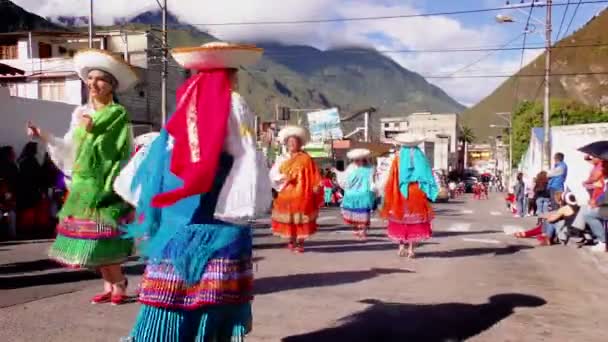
(442, 129)
(46, 58)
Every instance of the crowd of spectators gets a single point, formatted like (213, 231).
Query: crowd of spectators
(31, 193)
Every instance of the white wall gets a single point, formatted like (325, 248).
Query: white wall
(54, 117)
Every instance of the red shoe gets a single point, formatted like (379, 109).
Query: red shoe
(102, 298)
(299, 249)
(119, 299)
(291, 246)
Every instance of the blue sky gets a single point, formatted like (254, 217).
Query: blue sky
(437, 32)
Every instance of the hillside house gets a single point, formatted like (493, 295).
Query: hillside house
(46, 59)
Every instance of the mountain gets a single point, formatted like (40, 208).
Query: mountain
(304, 77)
(580, 65)
(14, 19)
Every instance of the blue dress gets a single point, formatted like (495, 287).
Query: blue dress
(197, 285)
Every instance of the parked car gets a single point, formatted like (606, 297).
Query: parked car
(469, 184)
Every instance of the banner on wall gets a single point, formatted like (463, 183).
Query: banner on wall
(324, 125)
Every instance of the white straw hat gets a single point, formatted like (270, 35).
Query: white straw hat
(358, 153)
(95, 59)
(294, 131)
(217, 55)
(408, 139)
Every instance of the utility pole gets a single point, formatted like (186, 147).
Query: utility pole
(90, 24)
(164, 74)
(547, 111)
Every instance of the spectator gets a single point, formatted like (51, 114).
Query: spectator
(520, 195)
(596, 212)
(28, 186)
(557, 180)
(541, 193)
(7, 209)
(595, 183)
(531, 198)
(8, 167)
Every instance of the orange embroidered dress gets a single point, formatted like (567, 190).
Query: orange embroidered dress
(297, 180)
(406, 199)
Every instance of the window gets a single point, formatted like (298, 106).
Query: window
(52, 90)
(9, 52)
(45, 50)
(387, 125)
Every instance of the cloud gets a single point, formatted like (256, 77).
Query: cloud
(437, 32)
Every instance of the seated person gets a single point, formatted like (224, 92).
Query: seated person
(556, 222)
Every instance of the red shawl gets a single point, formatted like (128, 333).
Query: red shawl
(199, 128)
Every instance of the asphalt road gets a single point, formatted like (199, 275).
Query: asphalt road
(470, 282)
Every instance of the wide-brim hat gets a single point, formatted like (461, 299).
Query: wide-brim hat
(294, 131)
(569, 198)
(95, 59)
(217, 55)
(358, 153)
(408, 139)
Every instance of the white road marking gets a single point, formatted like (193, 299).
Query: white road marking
(467, 212)
(510, 230)
(460, 227)
(495, 213)
(490, 241)
(376, 220)
(326, 218)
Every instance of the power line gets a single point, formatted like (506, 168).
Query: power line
(372, 18)
(484, 56)
(561, 24)
(580, 2)
(523, 52)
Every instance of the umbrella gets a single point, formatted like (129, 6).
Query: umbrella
(598, 149)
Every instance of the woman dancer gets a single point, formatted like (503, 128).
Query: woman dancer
(199, 180)
(409, 188)
(359, 196)
(92, 152)
(298, 182)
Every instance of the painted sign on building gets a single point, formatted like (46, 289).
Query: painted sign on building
(324, 125)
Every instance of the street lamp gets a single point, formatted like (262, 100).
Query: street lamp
(546, 155)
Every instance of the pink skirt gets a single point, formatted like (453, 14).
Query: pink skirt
(409, 232)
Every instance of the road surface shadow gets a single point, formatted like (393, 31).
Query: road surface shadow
(421, 322)
(29, 266)
(316, 280)
(24, 242)
(361, 247)
(53, 278)
(311, 244)
(468, 252)
(447, 233)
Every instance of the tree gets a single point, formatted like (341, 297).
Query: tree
(467, 136)
(563, 112)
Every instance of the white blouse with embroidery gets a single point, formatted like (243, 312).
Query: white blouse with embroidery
(247, 192)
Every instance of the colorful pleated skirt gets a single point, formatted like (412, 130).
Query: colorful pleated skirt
(357, 207)
(294, 225)
(357, 217)
(83, 243)
(214, 308)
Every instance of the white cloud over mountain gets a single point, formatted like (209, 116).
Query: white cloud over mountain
(438, 32)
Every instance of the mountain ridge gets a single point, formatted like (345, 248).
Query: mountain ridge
(298, 76)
